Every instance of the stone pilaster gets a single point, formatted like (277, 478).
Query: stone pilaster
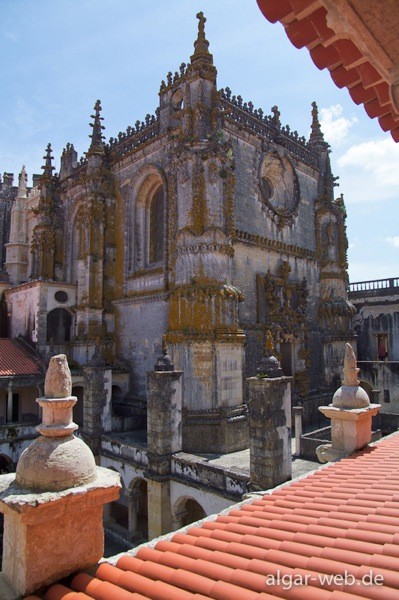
(96, 401)
(164, 436)
(269, 409)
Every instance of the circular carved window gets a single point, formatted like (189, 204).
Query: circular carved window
(61, 296)
(279, 187)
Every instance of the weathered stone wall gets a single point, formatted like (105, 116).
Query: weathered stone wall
(141, 324)
(249, 210)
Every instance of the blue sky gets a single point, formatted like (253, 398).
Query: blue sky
(59, 56)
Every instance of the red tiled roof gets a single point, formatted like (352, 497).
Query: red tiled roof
(17, 360)
(305, 23)
(332, 531)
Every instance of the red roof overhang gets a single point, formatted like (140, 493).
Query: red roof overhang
(306, 23)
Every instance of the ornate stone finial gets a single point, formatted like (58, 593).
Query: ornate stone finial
(97, 359)
(164, 345)
(57, 460)
(48, 166)
(22, 183)
(164, 362)
(269, 365)
(269, 344)
(96, 146)
(276, 117)
(350, 370)
(58, 381)
(201, 44)
(351, 415)
(316, 135)
(350, 394)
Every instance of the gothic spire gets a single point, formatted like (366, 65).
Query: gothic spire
(201, 44)
(22, 183)
(48, 166)
(316, 135)
(96, 146)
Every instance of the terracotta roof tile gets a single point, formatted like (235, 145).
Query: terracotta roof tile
(15, 359)
(342, 520)
(306, 25)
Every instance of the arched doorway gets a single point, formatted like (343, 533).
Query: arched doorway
(59, 322)
(187, 511)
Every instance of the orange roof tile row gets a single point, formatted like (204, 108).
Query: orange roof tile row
(308, 27)
(332, 535)
(16, 360)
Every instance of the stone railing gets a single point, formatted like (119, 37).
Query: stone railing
(374, 285)
(187, 468)
(121, 449)
(194, 469)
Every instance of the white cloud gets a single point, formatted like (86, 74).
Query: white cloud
(335, 126)
(369, 172)
(381, 158)
(393, 241)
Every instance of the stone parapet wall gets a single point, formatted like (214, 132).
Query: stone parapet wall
(187, 468)
(229, 481)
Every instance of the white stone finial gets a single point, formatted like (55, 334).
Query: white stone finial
(58, 382)
(350, 370)
(350, 394)
(350, 413)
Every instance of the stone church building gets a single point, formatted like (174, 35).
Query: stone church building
(198, 229)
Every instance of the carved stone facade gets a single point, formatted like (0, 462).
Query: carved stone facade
(208, 223)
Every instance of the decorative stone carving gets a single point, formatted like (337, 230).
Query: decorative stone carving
(279, 188)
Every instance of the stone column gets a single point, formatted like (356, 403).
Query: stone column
(164, 437)
(94, 401)
(132, 496)
(269, 409)
(53, 504)
(298, 412)
(9, 403)
(350, 413)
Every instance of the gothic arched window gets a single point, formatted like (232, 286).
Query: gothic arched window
(146, 229)
(156, 226)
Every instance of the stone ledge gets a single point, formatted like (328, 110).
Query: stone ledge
(349, 414)
(13, 498)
